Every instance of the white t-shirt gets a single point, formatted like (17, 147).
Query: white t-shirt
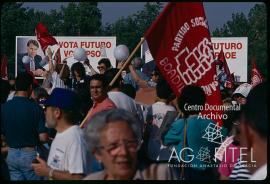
(155, 116)
(57, 82)
(69, 152)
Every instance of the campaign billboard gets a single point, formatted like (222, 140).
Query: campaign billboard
(96, 48)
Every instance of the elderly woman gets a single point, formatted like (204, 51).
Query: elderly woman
(114, 138)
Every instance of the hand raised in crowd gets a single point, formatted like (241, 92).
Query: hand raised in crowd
(49, 53)
(41, 168)
(45, 74)
(38, 72)
(120, 65)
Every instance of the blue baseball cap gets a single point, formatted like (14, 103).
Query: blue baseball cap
(62, 98)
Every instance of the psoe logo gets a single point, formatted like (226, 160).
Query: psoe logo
(193, 65)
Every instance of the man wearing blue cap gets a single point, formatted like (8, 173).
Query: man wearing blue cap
(68, 154)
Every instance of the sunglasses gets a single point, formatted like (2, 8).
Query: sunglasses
(101, 67)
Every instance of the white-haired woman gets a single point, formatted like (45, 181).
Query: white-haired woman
(114, 138)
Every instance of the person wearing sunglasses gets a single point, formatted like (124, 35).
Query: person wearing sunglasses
(103, 65)
(114, 138)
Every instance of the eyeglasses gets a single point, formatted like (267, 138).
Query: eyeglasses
(131, 145)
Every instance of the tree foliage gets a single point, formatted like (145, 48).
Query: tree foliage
(77, 19)
(254, 27)
(129, 30)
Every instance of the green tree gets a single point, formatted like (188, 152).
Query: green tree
(13, 23)
(253, 27)
(129, 30)
(83, 19)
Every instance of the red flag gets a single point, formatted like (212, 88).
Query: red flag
(43, 37)
(179, 41)
(256, 77)
(222, 61)
(4, 73)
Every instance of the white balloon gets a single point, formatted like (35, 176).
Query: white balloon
(121, 52)
(26, 59)
(79, 54)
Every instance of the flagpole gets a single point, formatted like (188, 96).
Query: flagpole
(85, 119)
(127, 62)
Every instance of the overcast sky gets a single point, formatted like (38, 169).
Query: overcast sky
(217, 13)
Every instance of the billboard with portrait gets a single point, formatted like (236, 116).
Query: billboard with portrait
(96, 48)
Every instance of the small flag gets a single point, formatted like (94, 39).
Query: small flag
(225, 77)
(256, 77)
(46, 40)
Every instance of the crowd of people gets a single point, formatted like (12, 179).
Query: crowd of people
(74, 125)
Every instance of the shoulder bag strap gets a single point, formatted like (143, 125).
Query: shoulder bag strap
(184, 145)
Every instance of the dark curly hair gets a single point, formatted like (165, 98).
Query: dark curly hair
(79, 68)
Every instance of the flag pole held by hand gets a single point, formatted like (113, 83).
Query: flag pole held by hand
(127, 62)
(85, 119)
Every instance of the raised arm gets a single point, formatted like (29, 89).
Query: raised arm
(93, 71)
(142, 83)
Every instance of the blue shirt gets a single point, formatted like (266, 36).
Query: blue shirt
(22, 120)
(201, 147)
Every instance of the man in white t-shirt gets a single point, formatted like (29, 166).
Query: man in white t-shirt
(68, 158)
(155, 115)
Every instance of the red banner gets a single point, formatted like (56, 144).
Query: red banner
(179, 41)
(256, 77)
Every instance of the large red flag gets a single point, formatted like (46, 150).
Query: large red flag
(256, 77)
(45, 39)
(179, 41)
(4, 74)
